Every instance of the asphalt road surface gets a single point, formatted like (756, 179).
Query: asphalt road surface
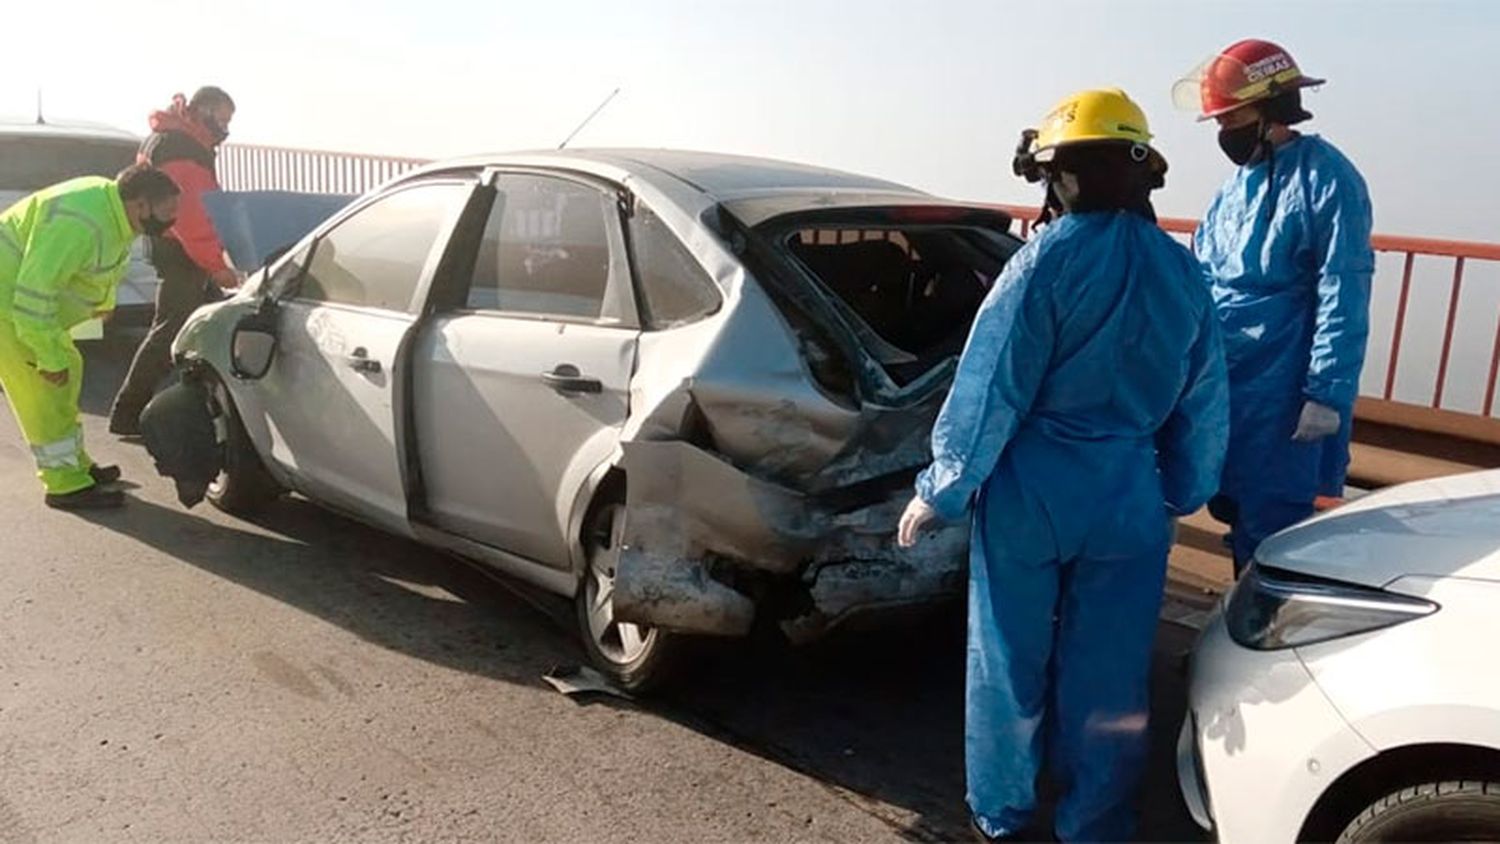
(175, 675)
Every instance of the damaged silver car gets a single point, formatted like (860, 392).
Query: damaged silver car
(689, 391)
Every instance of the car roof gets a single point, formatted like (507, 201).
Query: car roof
(720, 175)
(74, 130)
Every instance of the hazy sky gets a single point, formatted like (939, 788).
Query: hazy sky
(928, 93)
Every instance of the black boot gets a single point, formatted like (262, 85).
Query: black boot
(92, 498)
(104, 474)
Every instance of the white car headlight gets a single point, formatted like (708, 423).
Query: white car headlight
(1272, 609)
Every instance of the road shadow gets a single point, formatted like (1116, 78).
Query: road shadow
(880, 714)
(877, 716)
(390, 592)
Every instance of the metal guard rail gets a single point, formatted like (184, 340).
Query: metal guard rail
(249, 167)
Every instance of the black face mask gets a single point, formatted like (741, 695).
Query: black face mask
(155, 226)
(1241, 143)
(215, 131)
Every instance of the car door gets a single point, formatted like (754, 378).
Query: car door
(332, 397)
(521, 388)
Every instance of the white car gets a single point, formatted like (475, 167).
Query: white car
(38, 155)
(1349, 688)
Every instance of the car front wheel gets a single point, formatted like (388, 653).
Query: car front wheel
(1456, 810)
(635, 657)
(243, 485)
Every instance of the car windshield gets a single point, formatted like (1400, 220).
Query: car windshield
(32, 163)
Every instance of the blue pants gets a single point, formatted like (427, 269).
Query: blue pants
(1252, 519)
(1059, 664)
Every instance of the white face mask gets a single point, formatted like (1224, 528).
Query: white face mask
(1065, 187)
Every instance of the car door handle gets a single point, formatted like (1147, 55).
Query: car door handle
(566, 380)
(360, 361)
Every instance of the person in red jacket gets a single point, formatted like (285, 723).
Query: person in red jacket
(189, 258)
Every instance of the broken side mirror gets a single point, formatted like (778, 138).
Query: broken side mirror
(252, 347)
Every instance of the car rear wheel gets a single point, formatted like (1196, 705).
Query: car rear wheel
(1456, 810)
(243, 486)
(636, 657)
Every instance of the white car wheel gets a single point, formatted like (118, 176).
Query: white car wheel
(243, 485)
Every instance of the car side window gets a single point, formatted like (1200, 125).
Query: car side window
(674, 287)
(374, 259)
(548, 250)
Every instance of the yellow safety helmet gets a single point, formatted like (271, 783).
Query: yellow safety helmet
(1106, 114)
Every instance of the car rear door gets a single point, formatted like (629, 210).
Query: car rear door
(332, 399)
(522, 384)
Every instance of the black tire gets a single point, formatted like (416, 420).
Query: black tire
(636, 658)
(243, 487)
(1456, 810)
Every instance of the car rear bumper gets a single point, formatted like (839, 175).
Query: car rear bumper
(862, 591)
(717, 597)
(709, 548)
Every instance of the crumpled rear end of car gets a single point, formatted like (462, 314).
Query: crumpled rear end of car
(763, 498)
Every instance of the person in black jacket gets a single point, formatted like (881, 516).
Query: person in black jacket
(189, 258)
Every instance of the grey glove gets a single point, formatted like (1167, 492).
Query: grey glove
(1317, 421)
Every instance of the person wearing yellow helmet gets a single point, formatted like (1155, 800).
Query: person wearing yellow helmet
(1099, 137)
(1089, 408)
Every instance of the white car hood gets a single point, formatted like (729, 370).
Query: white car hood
(1446, 527)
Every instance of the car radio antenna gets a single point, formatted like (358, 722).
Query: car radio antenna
(592, 115)
(40, 120)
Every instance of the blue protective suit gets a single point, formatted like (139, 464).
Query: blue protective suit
(1089, 406)
(1292, 288)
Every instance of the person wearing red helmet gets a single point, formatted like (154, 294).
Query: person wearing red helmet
(1286, 246)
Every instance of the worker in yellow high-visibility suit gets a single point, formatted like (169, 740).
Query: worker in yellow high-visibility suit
(63, 251)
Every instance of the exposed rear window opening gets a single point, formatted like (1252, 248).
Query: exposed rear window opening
(913, 290)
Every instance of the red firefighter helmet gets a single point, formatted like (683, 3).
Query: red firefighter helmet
(1245, 72)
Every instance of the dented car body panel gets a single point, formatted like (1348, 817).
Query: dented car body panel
(764, 444)
(684, 546)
